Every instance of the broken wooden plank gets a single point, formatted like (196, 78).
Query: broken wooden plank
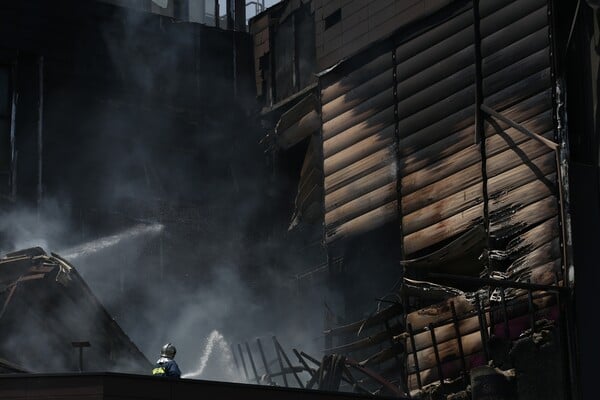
(443, 230)
(451, 256)
(442, 209)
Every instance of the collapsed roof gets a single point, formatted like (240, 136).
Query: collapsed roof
(46, 306)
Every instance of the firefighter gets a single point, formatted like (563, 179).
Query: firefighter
(166, 365)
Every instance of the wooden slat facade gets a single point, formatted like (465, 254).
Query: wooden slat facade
(401, 145)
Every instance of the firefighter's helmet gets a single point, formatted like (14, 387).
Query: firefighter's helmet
(168, 350)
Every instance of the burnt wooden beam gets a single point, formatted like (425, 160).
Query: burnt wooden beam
(252, 363)
(287, 361)
(235, 361)
(283, 375)
(243, 362)
(263, 358)
(416, 358)
(482, 329)
(438, 362)
(458, 339)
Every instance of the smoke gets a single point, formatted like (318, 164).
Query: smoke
(157, 190)
(223, 356)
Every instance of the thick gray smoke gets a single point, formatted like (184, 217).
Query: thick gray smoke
(166, 216)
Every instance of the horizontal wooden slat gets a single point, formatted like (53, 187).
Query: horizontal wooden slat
(435, 92)
(512, 157)
(518, 50)
(434, 53)
(362, 149)
(442, 230)
(357, 77)
(436, 112)
(513, 32)
(524, 195)
(358, 132)
(546, 253)
(363, 185)
(437, 130)
(441, 169)
(487, 7)
(360, 168)
(515, 221)
(441, 189)
(436, 72)
(357, 95)
(522, 174)
(358, 113)
(442, 209)
(516, 71)
(443, 148)
(366, 222)
(539, 124)
(535, 237)
(511, 12)
(545, 274)
(361, 205)
(519, 91)
(436, 34)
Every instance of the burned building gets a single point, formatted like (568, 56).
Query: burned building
(431, 155)
(423, 169)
